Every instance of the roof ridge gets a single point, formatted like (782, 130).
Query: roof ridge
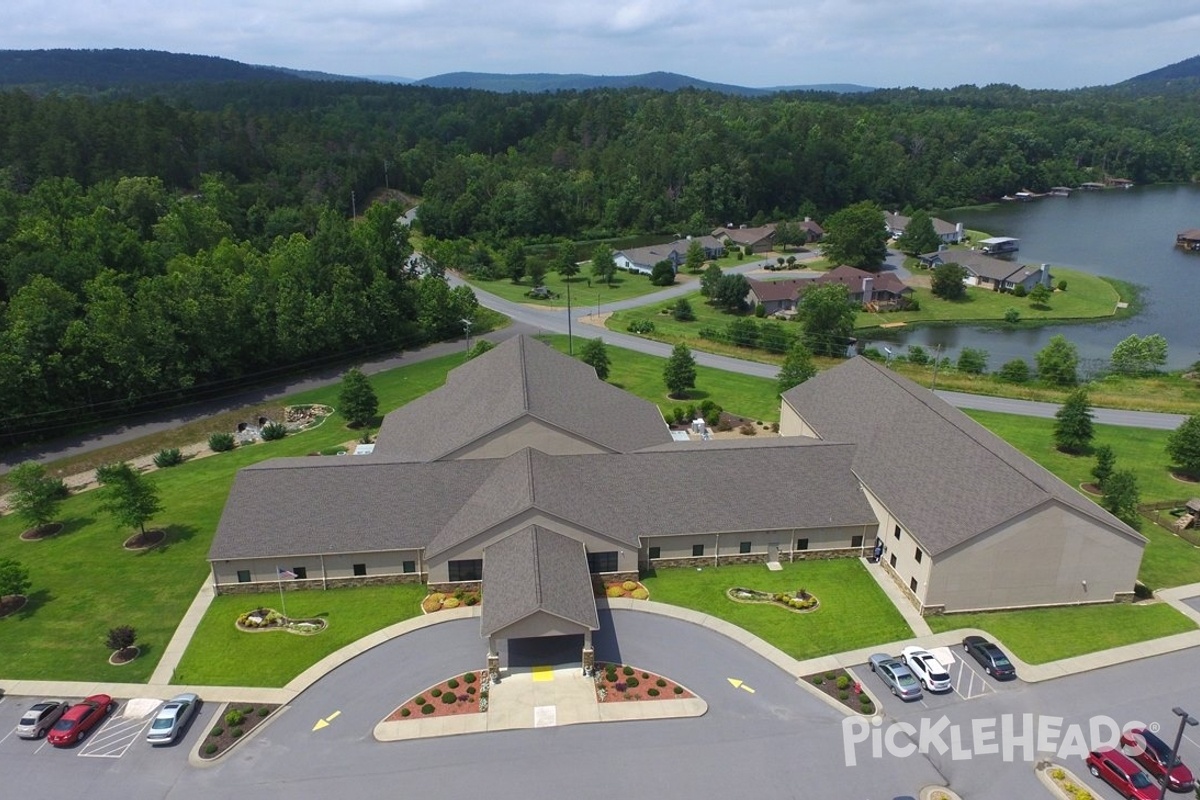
(524, 362)
(530, 483)
(537, 567)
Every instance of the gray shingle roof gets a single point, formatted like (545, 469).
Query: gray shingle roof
(520, 377)
(535, 570)
(977, 263)
(947, 478)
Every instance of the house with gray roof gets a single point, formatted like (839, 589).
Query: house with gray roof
(991, 272)
(643, 259)
(759, 239)
(969, 523)
(948, 232)
(528, 474)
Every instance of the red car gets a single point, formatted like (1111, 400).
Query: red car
(1154, 754)
(80, 718)
(1122, 774)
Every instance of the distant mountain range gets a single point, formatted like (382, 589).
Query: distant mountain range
(100, 69)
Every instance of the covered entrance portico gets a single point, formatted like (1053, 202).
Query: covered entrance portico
(537, 585)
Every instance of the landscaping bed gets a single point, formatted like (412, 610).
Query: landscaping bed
(838, 684)
(261, 620)
(462, 694)
(631, 589)
(238, 721)
(800, 601)
(438, 601)
(616, 683)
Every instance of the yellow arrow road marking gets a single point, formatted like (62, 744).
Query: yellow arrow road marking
(324, 723)
(735, 683)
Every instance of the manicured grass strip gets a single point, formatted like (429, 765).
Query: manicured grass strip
(642, 375)
(854, 611)
(586, 292)
(221, 655)
(1039, 635)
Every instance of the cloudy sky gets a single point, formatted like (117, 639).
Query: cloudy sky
(927, 43)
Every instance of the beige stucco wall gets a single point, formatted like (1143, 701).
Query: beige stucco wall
(525, 432)
(336, 565)
(729, 544)
(439, 569)
(904, 548)
(790, 423)
(1041, 558)
(539, 624)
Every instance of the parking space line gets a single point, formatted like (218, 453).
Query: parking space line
(10, 733)
(114, 738)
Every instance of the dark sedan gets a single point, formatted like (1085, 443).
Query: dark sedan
(990, 657)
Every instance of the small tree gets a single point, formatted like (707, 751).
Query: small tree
(731, 292)
(514, 261)
(1183, 446)
(36, 495)
(662, 273)
(480, 347)
(221, 442)
(357, 402)
(1058, 362)
(694, 261)
(14, 578)
(1040, 296)
(709, 280)
(1073, 423)
(603, 265)
(1106, 462)
(797, 367)
(1121, 497)
(536, 269)
(919, 236)
(1012, 316)
(680, 372)
(120, 638)
(947, 282)
(682, 311)
(127, 495)
(567, 266)
(972, 361)
(1014, 371)
(595, 354)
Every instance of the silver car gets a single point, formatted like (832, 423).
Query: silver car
(898, 677)
(40, 718)
(170, 719)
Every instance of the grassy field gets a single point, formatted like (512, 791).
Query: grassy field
(642, 375)
(221, 655)
(585, 292)
(1039, 635)
(854, 611)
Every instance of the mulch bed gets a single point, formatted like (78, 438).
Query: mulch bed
(632, 589)
(123, 656)
(462, 694)
(1179, 476)
(144, 541)
(437, 601)
(12, 603)
(223, 736)
(618, 683)
(1091, 488)
(827, 682)
(42, 532)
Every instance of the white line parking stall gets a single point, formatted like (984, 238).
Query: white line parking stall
(967, 681)
(118, 733)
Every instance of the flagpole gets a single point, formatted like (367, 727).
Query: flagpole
(282, 604)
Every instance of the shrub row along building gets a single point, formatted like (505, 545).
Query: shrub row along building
(528, 473)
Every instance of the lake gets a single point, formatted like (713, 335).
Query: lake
(1127, 234)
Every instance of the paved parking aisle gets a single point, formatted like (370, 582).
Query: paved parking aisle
(118, 733)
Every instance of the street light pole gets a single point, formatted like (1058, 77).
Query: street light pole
(570, 338)
(467, 327)
(1185, 719)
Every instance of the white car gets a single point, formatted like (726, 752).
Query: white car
(171, 718)
(929, 671)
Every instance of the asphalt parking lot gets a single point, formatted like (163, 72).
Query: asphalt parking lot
(968, 682)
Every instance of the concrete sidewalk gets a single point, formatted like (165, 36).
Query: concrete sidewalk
(907, 610)
(165, 671)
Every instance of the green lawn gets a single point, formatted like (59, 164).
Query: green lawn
(854, 611)
(1087, 297)
(221, 655)
(1039, 635)
(642, 375)
(84, 583)
(585, 292)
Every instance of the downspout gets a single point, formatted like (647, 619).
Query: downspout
(324, 576)
(716, 549)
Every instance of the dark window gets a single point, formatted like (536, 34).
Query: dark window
(856, 541)
(243, 576)
(744, 547)
(802, 544)
(892, 560)
(912, 584)
(697, 549)
(602, 562)
(301, 572)
(896, 532)
(408, 566)
(656, 552)
(918, 555)
(466, 570)
(360, 570)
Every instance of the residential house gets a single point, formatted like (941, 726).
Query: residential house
(812, 230)
(948, 232)
(643, 259)
(775, 296)
(987, 271)
(758, 240)
(881, 290)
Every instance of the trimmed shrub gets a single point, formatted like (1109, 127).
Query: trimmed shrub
(843, 695)
(217, 731)
(419, 701)
(436, 692)
(470, 690)
(427, 708)
(471, 600)
(452, 683)
(818, 680)
(462, 698)
(843, 682)
(221, 442)
(210, 749)
(627, 670)
(629, 586)
(1019, 290)
(678, 690)
(652, 692)
(451, 602)
(631, 682)
(660, 683)
(262, 712)
(640, 594)
(273, 431)
(614, 591)
(449, 698)
(404, 712)
(830, 676)
(469, 677)
(236, 733)
(235, 717)
(169, 457)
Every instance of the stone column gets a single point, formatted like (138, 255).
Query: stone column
(493, 660)
(589, 654)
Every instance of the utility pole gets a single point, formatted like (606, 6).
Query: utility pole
(570, 338)
(385, 174)
(467, 327)
(937, 357)
(353, 205)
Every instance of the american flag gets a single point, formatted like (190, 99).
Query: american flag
(286, 573)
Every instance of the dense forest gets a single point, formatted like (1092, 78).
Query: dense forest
(156, 242)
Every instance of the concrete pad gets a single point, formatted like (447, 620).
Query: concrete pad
(541, 674)
(545, 716)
